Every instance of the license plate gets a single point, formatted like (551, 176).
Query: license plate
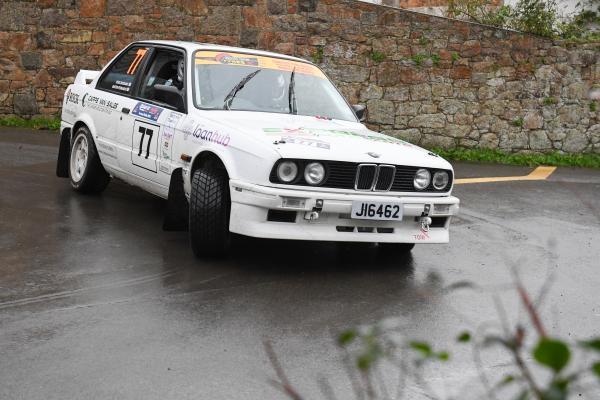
(376, 210)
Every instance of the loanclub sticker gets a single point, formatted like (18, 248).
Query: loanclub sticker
(147, 111)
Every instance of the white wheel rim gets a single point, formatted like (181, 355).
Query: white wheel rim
(79, 157)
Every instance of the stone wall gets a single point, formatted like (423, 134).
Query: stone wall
(430, 80)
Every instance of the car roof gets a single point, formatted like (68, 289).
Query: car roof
(193, 46)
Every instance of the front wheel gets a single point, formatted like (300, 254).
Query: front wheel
(210, 206)
(86, 172)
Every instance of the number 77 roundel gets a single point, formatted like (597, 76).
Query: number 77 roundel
(144, 145)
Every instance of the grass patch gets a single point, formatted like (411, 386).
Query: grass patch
(317, 56)
(518, 122)
(51, 123)
(587, 160)
(377, 56)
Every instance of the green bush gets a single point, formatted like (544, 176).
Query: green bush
(540, 17)
(37, 122)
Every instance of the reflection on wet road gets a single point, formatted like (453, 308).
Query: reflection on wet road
(96, 301)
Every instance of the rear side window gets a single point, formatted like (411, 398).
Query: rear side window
(120, 77)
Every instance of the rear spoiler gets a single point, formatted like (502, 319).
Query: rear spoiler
(85, 77)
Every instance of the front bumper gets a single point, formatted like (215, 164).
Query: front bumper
(250, 205)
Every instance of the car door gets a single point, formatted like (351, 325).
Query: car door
(113, 95)
(150, 124)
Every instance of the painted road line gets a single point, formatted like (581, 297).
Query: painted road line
(538, 174)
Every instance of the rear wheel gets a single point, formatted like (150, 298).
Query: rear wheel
(210, 207)
(85, 170)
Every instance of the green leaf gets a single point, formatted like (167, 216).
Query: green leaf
(524, 395)
(464, 337)
(506, 380)
(421, 347)
(443, 356)
(364, 361)
(593, 344)
(557, 390)
(552, 353)
(596, 369)
(347, 337)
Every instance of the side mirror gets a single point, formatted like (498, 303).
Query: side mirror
(169, 95)
(359, 110)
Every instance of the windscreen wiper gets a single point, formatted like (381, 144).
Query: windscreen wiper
(229, 98)
(292, 94)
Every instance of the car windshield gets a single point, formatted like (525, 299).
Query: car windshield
(236, 81)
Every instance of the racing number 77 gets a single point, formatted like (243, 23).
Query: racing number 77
(144, 132)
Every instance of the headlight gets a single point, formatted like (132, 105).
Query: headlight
(287, 171)
(422, 179)
(314, 173)
(440, 180)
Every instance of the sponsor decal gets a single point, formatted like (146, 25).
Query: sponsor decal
(107, 150)
(98, 103)
(147, 111)
(422, 235)
(319, 132)
(71, 97)
(226, 58)
(205, 57)
(69, 112)
(212, 136)
(166, 140)
(164, 168)
(321, 144)
(188, 128)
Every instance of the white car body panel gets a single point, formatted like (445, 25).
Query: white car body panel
(144, 145)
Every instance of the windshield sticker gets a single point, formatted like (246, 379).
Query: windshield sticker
(98, 103)
(147, 111)
(246, 60)
(333, 132)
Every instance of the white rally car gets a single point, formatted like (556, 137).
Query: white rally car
(249, 142)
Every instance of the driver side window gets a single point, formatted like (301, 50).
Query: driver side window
(164, 80)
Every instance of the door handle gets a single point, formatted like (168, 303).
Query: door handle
(125, 110)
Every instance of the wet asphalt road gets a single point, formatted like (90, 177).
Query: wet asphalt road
(97, 302)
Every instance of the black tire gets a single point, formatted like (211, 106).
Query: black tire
(91, 177)
(396, 248)
(210, 206)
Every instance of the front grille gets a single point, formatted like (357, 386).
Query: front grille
(365, 176)
(345, 175)
(385, 178)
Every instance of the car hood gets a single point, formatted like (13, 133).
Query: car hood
(296, 136)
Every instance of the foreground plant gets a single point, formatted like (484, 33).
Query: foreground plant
(542, 366)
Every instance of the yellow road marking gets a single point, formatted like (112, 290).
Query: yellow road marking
(538, 174)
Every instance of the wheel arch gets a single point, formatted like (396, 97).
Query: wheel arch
(208, 158)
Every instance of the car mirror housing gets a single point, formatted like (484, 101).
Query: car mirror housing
(170, 95)
(360, 111)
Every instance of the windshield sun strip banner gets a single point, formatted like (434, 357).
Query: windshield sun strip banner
(251, 60)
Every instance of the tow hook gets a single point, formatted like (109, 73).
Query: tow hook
(425, 219)
(316, 211)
